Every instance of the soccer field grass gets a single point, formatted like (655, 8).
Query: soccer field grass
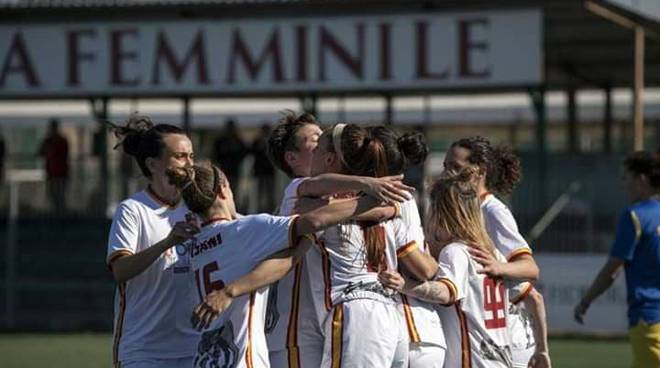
(93, 350)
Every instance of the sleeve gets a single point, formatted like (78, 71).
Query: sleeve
(410, 216)
(454, 266)
(124, 231)
(519, 291)
(270, 234)
(405, 240)
(290, 196)
(628, 233)
(503, 230)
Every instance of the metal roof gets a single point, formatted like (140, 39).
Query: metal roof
(581, 49)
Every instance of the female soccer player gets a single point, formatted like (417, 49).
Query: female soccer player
(152, 304)
(227, 248)
(498, 171)
(474, 320)
(294, 336)
(359, 331)
(637, 249)
(423, 325)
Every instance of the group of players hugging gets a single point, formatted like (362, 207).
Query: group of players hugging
(346, 274)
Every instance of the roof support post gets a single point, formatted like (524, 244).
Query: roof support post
(100, 111)
(607, 121)
(638, 94)
(571, 114)
(389, 112)
(537, 96)
(186, 115)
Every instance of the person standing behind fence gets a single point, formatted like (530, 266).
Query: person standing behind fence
(153, 300)
(55, 149)
(229, 150)
(637, 249)
(264, 171)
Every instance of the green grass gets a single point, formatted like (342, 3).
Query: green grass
(55, 350)
(93, 350)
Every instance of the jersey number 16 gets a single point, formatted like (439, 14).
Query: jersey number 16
(206, 280)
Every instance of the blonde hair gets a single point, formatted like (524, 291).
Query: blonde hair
(455, 209)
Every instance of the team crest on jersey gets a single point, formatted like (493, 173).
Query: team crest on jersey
(217, 349)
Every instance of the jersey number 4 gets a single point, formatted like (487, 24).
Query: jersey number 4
(206, 280)
(494, 303)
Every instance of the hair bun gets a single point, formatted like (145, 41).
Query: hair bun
(180, 177)
(130, 135)
(414, 148)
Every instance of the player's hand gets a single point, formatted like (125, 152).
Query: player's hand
(540, 360)
(306, 204)
(207, 311)
(490, 266)
(182, 231)
(392, 280)
(579, 312)
(388, 189)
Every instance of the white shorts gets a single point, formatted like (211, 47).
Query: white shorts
(158, 363)
(307, 357)
(423, 355)
(364, 333)
(521, 357)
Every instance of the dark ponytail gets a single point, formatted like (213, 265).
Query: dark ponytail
(199, 185)
(413, 147)
(141, 138)
(501, 164)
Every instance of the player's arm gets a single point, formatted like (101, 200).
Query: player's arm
(522, 267)
(332, 214)
(605, 278)
(628, 235)
(265, 273)
(386, 189)
(376, 214)
(437, 292)
(418, 263)
(535, 305)
(126, 266)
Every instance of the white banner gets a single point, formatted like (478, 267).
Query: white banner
(564, 279)
(257, 57)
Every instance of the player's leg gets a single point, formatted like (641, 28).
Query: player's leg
(310, 337)
(363, 333)
(423, 355)
(645, 341)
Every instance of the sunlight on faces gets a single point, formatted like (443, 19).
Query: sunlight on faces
(307, 138)
(457, 158)
(226, 195)
(323, 159)
(178, 152)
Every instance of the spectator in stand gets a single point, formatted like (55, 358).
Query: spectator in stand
(55, 150)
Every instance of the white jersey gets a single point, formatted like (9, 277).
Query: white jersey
(152, 310)
(502, 228)
(291, 321)
(346, 258)
(503, 231)
(422, 321)
(476, 325)
(222, 252)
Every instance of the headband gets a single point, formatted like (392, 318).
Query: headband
(336, 141)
